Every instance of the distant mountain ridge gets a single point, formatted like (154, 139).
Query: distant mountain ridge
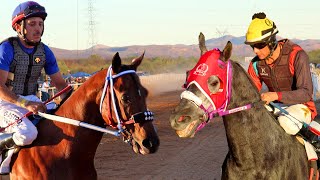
(178, 50)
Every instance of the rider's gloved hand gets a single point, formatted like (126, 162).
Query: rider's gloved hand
(35, 107)
(269, 97)
(32, 106)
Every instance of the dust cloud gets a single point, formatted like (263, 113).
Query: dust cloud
(161, 83)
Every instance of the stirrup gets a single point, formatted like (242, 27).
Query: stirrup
(6, 142)
(316, 146)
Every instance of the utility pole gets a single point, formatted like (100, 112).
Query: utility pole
(221, 33)
(91, 26)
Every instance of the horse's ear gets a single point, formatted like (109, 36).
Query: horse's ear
(116, 63)
(137, 61)
(227, 51)
(202, 44)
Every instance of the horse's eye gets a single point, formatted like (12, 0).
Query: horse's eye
(214, 83)
(125, 99)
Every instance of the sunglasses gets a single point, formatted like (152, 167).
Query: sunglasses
(259, 45)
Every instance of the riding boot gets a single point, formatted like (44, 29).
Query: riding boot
(6, 142)
(310, 137)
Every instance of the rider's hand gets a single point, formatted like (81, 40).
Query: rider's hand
(35, 107)
(269, 97)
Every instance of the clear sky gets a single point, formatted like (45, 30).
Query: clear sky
(145, 22)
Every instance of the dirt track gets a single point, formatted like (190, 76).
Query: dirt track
(198, 158)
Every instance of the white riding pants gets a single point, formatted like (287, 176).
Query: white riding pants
(24, 131)
(293, 123)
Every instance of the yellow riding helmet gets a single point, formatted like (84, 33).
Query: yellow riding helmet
(260, 29)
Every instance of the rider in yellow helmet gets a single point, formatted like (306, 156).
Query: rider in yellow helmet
(262, 32)
(284, 67)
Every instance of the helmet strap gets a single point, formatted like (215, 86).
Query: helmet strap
(272, 44)
(22, 35)
(272, 49)
(21, 32)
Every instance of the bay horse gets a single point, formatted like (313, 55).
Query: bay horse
(63, 151)
(258, 147)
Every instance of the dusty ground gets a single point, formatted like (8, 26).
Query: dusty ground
(197, 158)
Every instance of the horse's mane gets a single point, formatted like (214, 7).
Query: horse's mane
(71, 92)
(247, 75)
(245, 82)
(255, 91)
(245, 92)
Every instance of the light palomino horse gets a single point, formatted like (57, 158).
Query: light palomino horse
(64, 151)
(258, 147)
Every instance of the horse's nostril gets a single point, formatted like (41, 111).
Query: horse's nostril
(147, 143)
(180, 118)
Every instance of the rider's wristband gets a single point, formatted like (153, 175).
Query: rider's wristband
(22, 102)
(279, 96)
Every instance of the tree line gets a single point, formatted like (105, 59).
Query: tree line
(155, 65)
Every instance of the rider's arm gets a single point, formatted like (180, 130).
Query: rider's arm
(254, 77)
(303, 93)
(5, 93)
(6, 56)
(9, 96)
(58, 81)
(52, 70)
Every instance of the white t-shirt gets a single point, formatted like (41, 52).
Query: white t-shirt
(45, 87)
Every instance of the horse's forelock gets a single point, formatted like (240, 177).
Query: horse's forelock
(126, 68)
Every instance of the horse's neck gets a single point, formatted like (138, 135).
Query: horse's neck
(82, 105)
(247, 130)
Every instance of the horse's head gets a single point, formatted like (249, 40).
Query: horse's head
(206, 90)
(125, 106)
